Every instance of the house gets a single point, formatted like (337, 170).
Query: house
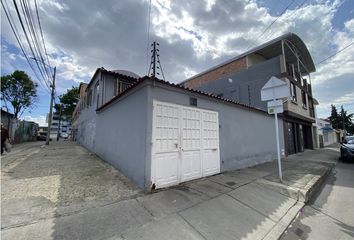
(242, 77)
(19, 130)
(327, 135)
(160, 134)
(76, 112)
(7, 118)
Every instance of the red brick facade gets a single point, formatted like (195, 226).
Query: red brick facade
(232, 67)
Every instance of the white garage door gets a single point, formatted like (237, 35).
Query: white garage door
(185, 144)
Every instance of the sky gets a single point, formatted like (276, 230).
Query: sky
(81, 36)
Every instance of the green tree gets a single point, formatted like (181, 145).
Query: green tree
(18, 90)
(68, 101)
(345, 119)
(334, 118)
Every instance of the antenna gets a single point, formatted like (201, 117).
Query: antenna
(155, 63)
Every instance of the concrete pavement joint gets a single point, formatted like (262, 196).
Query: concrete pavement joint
(57, 216)
(249, 207)
(192, 226)
(155, 217)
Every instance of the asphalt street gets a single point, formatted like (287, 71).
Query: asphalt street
(330, 214)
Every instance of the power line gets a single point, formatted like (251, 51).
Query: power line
(269, 26)
(294, 11)
(36, 46)
(27, 38)
(33, 30)
(148, 38)
(40, 29)
(15, 31)
(341, 50)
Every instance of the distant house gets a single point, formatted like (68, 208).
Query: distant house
(242, 77)
(160, 134)
(19, 131)
(6, 118)
(327, 135)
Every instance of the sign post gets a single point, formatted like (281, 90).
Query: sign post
(273, 92)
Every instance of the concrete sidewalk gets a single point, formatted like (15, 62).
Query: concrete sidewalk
(244, 204)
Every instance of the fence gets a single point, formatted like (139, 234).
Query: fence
(21, 131)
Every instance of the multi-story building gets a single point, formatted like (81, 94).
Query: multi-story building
(241, 79)
(63, 123)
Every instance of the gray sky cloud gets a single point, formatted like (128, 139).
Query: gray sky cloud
(193, 36)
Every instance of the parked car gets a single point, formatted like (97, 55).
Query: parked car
(64, 135)
(347, 149)
(42, 136)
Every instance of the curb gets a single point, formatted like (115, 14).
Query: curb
(280, 227)
(311, 188)
(303, 196)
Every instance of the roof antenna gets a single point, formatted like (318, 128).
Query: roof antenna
(155, 63)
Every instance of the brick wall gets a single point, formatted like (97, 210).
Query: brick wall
(232, 67)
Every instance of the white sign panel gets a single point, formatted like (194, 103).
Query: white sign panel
(275, 106)
(275, 89)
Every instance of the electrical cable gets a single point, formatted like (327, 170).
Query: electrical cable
(269, 26)
(341, 50)
(148, 40)
(40, 29)
(33, 30)
(32, 33)
(15, 32)
(26, 35)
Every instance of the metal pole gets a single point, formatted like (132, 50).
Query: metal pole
(51, 109)
(278, 147)
(154, 61)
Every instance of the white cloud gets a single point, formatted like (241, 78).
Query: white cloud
(193, 36)
(41, 120)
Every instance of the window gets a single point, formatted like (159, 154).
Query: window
(293, 92)
(120, 86)
(304, 99)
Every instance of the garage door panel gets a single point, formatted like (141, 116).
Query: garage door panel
(166, 169)
(211, 162)
(191, 165)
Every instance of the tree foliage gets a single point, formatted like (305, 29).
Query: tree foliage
(68, 101)
(343, 119)
(18, 90)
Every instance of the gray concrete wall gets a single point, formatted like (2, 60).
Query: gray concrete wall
(245, 86)
(86, 123)
(121, 135)
(247, 137)
(86, 128)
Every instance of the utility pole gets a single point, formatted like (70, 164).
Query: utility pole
(58, 134)
(51, 108)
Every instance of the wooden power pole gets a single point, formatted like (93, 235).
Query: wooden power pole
(51, 108)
